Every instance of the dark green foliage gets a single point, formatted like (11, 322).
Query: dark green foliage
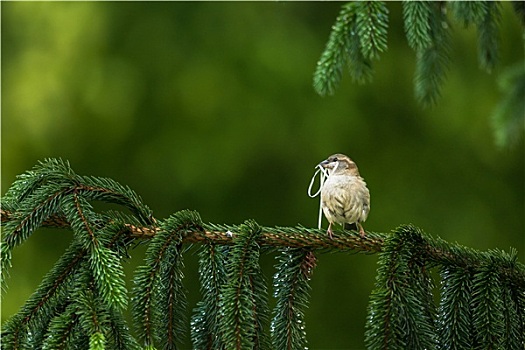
(488, 40)
(479, 304)
(80, 301)
(469, 12)
(119, 336)
(401, 310)
(52, 188)
(104, 262)
(142, 308)
(334, 58)
(485, 15)
(46, 302)
(294, 270)
(432, 60)
(455, 317)
(418, 16)
(372, 26)
(169, 295)
(15, 333)
(243, 298)
(496, 304)
(359, 34)
(513, 327)
(77, 300)
(508, 118)
(46, 201)
(487, 304)
(92, 317)
(519, 7)
(62, 329)
(158, 294)
(205, 332)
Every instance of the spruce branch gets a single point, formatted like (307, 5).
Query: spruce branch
(119, 336)
(79, 303)
(508, 119)
(359, 35)
(242, 301)
(170, 298)
(158, 295)
(485, 15)
(454, 320)
(432, 61)
(104, 263)
(488, 306)
(315, 239)
(372, 26)
(92, 318)
(49, 297)
(488, 38)
(513, 318)
(53, 190)
(417, 16)
(330, 66)
(205, 332)
(399, 316)
(358, 65)
(294, 270)
(45, 202)
(469, 12)
(61, 329)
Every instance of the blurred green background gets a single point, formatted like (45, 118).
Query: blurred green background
(210, 106)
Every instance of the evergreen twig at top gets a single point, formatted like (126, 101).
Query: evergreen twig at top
(359, 36)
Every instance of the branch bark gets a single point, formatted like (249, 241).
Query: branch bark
(312, 239)
(315, 239)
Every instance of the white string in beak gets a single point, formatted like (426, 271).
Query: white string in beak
(324, 175)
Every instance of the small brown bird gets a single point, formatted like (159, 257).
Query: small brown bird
(345, 199)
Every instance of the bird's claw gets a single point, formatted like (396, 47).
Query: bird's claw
(329, 231)
(361, 231)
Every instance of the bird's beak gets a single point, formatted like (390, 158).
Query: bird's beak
(324, 163)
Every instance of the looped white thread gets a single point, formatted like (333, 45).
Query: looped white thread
(324, 175)
(312, 183)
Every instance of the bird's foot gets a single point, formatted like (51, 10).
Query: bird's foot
(361, 231)
(329, 231)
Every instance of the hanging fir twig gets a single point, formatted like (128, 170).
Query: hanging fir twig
(401, 311)
(158, 293)
(205, 331)
(243, 298)
(291, 291)
(359, 35)
(456, 290)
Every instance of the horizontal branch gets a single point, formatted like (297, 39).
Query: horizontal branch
(315, 239)
(312, 239)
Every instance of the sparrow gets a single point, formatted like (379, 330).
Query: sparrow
(345, 199)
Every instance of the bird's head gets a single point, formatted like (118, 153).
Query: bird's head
(339, 163)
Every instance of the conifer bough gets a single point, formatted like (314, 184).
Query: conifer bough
(79, 303)
(359, 36)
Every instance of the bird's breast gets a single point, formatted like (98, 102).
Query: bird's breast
(345, 198)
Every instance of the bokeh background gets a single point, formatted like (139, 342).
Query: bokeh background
(210, 106)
